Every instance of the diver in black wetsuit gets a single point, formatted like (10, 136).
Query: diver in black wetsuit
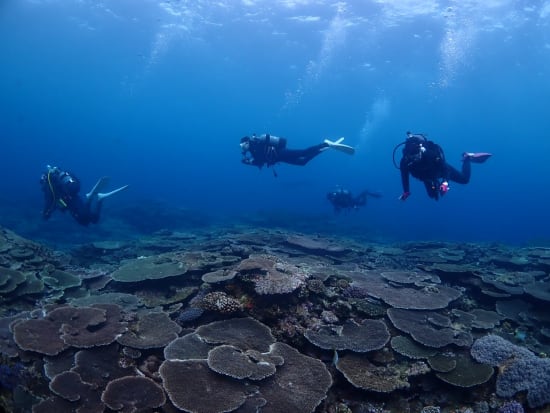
(61, 191)
(342, 199)
(268, 150)
(425, 160)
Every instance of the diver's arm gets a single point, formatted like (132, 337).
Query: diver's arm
(256, 154)
(404, 179)
(404, 175)
(252, 162)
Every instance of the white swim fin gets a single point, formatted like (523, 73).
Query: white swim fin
(102, 195)
(97, 187)
(339, 146)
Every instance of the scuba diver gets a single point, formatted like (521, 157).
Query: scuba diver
(425, 160)
(61, 190)
(268, 150)
(342, 199)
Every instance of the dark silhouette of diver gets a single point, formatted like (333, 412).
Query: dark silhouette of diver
(61, 191)
(342, 199)
(268, 150)
(425, 160)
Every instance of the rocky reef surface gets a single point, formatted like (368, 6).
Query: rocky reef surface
(245, 319)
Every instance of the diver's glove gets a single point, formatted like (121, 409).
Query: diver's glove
(444, 188)
(404, 196)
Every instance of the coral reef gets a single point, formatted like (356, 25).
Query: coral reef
(519, 369)
(367, 336)
(268, 320)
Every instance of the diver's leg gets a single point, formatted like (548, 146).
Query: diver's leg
(301, 156)
(96, 213)
(462, 177)
(80, 210)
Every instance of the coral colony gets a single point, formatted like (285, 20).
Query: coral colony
(273, 321)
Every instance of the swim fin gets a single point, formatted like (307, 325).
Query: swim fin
(102, 195)
(477, 157)
(374, 194)
(97, 187)
(339, 146)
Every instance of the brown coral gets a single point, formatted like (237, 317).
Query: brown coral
(271, 275)
(233, 362)
(220, 302)
(299, 385)
(420, 325)
(360, 372)
(193, 387)
(152, 330)
(69, 326)
(367, 336)
(244, 333)
(131, 394)
(149, 268)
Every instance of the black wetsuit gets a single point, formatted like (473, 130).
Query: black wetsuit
(268, 150)
(425, 160)
(61, 192)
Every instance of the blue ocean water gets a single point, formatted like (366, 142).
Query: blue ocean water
(157, 94)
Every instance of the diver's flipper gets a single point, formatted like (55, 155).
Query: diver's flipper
(477, 157)
(102, 195)
(97, 187)
(340, 146)
(374, 194)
